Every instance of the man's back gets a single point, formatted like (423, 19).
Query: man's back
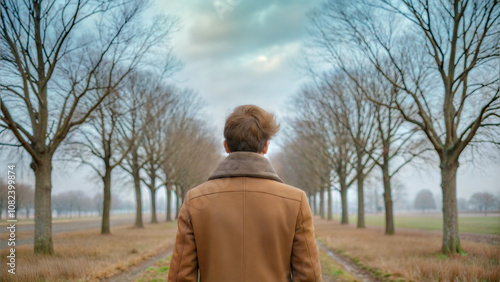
(245, 225)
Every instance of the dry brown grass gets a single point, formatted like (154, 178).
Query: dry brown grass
(89, 256)
(19, 234)
(411, 255)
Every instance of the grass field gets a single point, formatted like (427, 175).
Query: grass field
(89, 256)
(409, 255)
(22, 220)
(469, 224)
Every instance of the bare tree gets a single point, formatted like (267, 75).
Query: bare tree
(308, 153)
(139, 85)
(98, 200)
(327, 107)
(357, 115)
(159, 110)
(195, 154)
(424, 200)
(304, 164)
(100, 144)
(59, 204)
(148, 94)
(442, 56)
(183, 122)
(51, 57)
(397, 143)
(483, 201)
(25, 197)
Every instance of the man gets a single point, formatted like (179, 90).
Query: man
(244, 224)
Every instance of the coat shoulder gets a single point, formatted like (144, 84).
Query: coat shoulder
(261, 185)
(276, 188)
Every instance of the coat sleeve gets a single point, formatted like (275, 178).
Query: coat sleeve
(184, 262)
(305, 256)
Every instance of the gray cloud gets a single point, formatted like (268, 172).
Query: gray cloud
(250, 27)
(251, 56)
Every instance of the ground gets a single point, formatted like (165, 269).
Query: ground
(347, 253)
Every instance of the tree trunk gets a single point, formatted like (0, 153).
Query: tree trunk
(152, 190)
(178, 203)
(169, 202)
(106, 204)
(138, 197)
(451, 239)
(330, 204)
(361, 199)
(43, 205)
(389, 217)
(153, 205)
(315, 211)
(322, 203)
(343, 197)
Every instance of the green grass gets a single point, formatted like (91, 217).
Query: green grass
(158, 272)
(469, 224)
(332, 271)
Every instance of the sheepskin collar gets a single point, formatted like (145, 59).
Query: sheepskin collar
(245, 164)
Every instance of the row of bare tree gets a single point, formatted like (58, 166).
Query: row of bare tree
(402, 77)
(87, 79)
(24, 198)
(152, 132)
(77, 203)
(340, 136)
(479, 201)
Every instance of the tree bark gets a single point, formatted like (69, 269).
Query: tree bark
(178, 203)
(316, 205)
(169, 202)
(451, 238)
(389, 216)
(361, 197)
(330, 204)
(138, 196)
(152, 190)
(106, 203)
(343, 197)
(43, 205)
(153, 206)
(322, 203)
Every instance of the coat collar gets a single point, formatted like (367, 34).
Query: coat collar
(245, 164)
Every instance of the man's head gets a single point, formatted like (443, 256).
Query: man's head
(249, 128)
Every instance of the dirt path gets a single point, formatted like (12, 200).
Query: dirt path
(349, 266)
(135, 272)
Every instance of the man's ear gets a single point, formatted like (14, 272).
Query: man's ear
(265, 148)
(225, 147)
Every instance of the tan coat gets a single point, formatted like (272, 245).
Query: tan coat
(244, 224)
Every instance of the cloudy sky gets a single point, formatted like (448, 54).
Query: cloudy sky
(240, 51)
(248, 52)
